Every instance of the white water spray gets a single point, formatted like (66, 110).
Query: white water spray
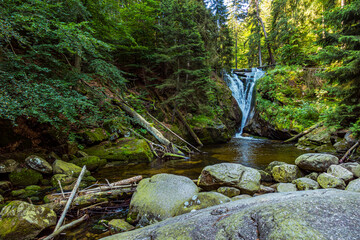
(242, 89)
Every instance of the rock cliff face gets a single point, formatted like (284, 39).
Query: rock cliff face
(316, 214)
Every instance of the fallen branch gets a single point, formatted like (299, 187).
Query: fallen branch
(69, 225)
(303, 133)
(349, 151)
(174, 133)
(192, 133)
(72, 195)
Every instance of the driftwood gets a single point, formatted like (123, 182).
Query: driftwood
(348, 152)
(69, 225)
(192, 133)
(71, 198)
(174, 133)
(145, 124)
(296, 137)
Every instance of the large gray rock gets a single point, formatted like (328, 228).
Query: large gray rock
(326, 180)
(306, 184)
(316, 214)
(39, 164)
(340, 172)
(159, 197)
(352, 167)
(354, 185)
(231, 175)
(21, 220)
(318, 162)
(285, 173)
(286, 187)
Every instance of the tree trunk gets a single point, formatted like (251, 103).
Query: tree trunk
(77, 62)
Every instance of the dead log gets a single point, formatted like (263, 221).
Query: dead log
(296, 137)
(145, 124)
(192, 133)
(348, 152)
(67, 226)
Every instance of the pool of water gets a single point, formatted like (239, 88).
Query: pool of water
(256, 153)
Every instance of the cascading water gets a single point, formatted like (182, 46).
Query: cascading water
(242, 89)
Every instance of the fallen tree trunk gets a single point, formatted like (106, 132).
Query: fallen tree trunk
(348, 152)
(296, 137)
(192, 133)
(67, 226)
(145, 124)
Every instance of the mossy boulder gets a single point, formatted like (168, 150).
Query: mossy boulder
(160, 197)
(273, 164)
(5, 185)
(306, 184)
(69, 169)
(119, 225)
(315, 139)
(39, 164)
(340, 172)
(92, 162)
(326, 180)
(354, 185)
(352, 167)
(286, 187)
(128, 150)
(94, 136)
(313, 176)
(228, 191)
(202, 200)
(210, 130)
(8, 166)
(33, 192)
(231, 175)
(318, 162)
(240, 197)
(285, 173)
(63, 178)
(317, 214)
(25, 177)
(21, 220)
(265, 176)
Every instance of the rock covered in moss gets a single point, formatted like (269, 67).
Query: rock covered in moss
(69, 169)
(271, 165)
(228, 191)
(306, 184)
(354, 185)
(240, 197)
(160, 197)
(352, 167)
(316, 139)
(313, 176)
(202, 200)
(286, 187)
(39, 164)
(318, 162)
(231, 175)
(340, 172)
(32, 192)
(92, 162)
(265, 189)
(285, 173)
(25, 177)
(63, 178)
(5, 185)
(317, 214)
(265, 176)
(326, 180)
(124, 149)
(8, 166)
(119, 225)
(94, 136)
(21, 220)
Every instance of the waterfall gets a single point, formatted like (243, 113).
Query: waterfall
(242, 88)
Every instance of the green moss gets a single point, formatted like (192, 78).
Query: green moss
(25, 177)
(97, 135)
(92, 162)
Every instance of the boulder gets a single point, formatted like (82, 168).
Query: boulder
(352, 167)
(354, 185)
(92, 162)
(202, 200)
(320, 137)
(341, 146)
(264, 189)
(8, 166)
(326, 180)
(231, 175)
(39, 164)
(21, 220)
(63, 178)
(25, 177)
(318, 162)
(160, 197)
(5, 185)
(265, 176)
(228, 191)
(316, 214)
(306, 184)
(285, 173)
(119, 225)
(210, 130)
(240, 197)
(32, 192)
(286, 187)
(313, 176)
(69, 169)
(94, 136)
(127, 150)
(271, 165)
(340, 172)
